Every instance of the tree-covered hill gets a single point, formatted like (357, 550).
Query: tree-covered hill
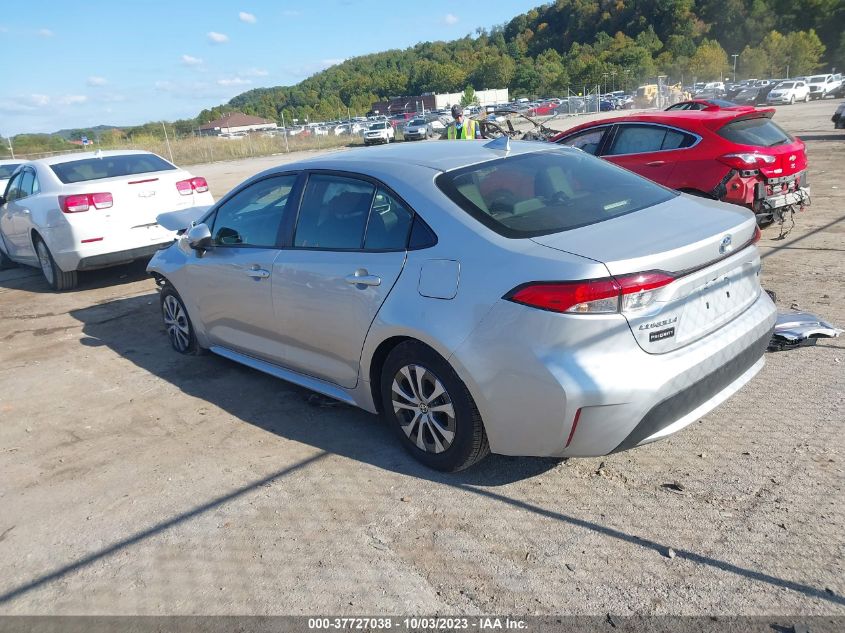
(572, 43)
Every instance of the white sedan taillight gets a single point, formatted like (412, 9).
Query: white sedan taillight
(187, 187)
(78, 203)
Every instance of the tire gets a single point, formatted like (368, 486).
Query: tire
(807, 98)
(792, 100)
(177, 323)
(446, 442)
(57, 278)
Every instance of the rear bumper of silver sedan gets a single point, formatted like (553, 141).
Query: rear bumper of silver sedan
(560, 385)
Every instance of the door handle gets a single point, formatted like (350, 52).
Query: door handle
(656, 163)
(362, 278)
(257, 273)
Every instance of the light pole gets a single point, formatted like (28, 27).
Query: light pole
(735, 55)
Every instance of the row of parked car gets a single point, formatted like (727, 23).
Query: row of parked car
(776, 91)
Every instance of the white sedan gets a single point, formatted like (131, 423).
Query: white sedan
(789, 92)
(91, 210)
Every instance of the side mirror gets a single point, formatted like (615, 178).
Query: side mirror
(2, 200)
(199, 237)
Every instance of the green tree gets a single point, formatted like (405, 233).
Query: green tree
(753, 63)
(709, 61)
(469, 98)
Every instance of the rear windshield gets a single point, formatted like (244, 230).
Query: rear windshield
(761, 132)
(6, 171)
(548, 192)
(109, 167)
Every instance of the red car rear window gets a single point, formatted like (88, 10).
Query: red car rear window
(761, 132)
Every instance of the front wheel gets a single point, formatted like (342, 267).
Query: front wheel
(57, 278)
(792, 100)
(807, 98)
(431, 409)
(177, 323)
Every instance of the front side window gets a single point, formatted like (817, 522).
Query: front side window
(547, 192)
(640, 139)
(254, 215)
(334, 213)
(588, 141)
(13, 189)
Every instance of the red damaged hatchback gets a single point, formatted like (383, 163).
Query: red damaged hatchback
(737, 156)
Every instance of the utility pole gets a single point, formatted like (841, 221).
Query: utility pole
(735, 55)
(285, 128)
(11, 151)
(167, 142)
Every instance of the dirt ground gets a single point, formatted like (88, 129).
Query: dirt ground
(137, 481)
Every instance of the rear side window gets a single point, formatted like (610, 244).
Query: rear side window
(761, 132)
(548, 192)
(334, 213)
(639, 139)
(109, 167)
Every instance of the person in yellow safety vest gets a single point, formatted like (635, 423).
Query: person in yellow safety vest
(462, 129)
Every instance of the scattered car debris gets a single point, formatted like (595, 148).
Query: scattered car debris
(799, 329)
(674, 486)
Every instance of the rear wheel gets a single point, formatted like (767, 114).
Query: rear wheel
(57, 278)
(431, 409)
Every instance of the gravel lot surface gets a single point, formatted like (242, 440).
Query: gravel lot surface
(137, 481)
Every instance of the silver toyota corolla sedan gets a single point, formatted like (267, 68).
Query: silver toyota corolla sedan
(524, 299)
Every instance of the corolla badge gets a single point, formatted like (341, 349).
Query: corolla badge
(725, 246)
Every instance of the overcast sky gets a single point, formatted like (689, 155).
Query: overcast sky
(79, 64)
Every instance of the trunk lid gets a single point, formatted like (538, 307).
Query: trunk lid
(138, 200)
(704, 243)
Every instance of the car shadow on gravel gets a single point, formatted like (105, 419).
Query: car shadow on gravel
(31, 279)
(272, 404)
(131, 328)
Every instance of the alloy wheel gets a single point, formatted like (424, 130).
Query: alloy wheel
(176, 322)
(424, 408)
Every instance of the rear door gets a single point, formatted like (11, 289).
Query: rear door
(231, 283)
(348, 249)
(650, 150)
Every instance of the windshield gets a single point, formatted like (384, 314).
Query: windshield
(787, 84)
(7, 170)
(816, 79)
(378, 126)
(417, 122)
(548, 192)
(109, 167)
(761, 132)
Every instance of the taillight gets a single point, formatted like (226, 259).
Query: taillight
(747, 160)
(78, 203)
(757, 235)
(607, 295)
(187, 187)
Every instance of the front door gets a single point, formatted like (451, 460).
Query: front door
(232, 281)
(348, 250)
